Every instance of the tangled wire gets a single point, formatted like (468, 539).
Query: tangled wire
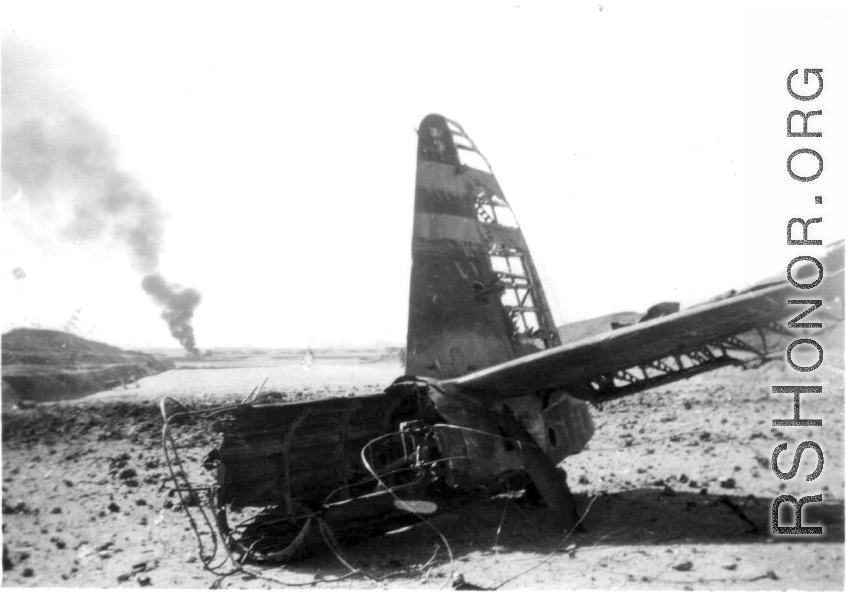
(236, 557)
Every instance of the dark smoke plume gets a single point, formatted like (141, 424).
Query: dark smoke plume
(67, 167)
(178, 306)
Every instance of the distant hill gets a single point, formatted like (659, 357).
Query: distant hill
(44, 365)
(46, 346)
(571, 332)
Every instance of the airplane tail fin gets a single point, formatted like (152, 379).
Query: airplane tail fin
(475, 299)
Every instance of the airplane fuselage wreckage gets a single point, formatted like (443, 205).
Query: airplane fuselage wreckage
(491, 399)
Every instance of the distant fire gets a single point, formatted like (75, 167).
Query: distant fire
(178, 306)
(63, 161)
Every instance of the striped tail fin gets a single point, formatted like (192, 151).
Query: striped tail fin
(476, 299)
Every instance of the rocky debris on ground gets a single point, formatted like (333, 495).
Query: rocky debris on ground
(726, 482)
(82, 458)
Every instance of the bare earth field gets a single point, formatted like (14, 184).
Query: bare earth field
(676, 482)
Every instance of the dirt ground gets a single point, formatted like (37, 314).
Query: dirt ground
(675, 487)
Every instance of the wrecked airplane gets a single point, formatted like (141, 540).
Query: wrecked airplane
(490, 400)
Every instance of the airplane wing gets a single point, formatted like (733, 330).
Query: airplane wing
(651, 353)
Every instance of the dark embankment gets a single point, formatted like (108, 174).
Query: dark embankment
(46, 365)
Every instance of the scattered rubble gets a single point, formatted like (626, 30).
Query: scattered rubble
(104, 541)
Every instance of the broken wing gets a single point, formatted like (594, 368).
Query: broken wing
(656, 352)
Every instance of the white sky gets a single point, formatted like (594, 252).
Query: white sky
(642, 147)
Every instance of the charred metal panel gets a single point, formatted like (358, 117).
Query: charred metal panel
(295, 454)
(475, 298)
(559, 423)
(452, 330)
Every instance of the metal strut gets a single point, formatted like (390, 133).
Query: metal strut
(680, 365)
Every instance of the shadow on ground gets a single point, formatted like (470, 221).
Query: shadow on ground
(638, 518)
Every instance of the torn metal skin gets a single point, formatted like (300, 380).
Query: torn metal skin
(490, 400)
